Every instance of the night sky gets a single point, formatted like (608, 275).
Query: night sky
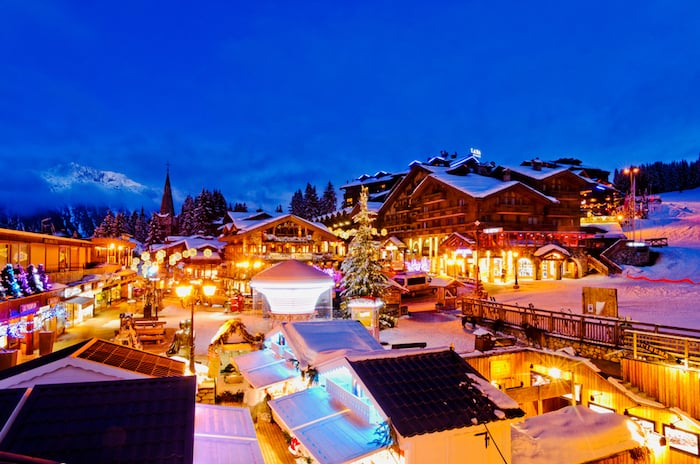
(258, 98)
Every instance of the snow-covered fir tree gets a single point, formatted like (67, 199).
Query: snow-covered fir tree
(362, 272)
(329, 200)
(156, 231)
(297, 206)
(311, 202)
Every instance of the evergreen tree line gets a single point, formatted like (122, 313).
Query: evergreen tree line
(201, 215)
(308, 205)
(661, 177)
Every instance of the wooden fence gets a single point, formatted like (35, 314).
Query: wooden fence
(643, 340)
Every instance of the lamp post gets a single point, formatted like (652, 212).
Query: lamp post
(633, 190)
(515, 258)
(476, 258)
(184, 291)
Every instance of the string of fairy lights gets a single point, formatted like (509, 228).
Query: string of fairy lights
(20, 328)
(148, 268)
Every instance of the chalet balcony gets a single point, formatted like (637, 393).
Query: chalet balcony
(514, 209)
(434, 198)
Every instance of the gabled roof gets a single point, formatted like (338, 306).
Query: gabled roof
(91, 360)
(478, 186)
(244, 227)
(545, 250)
(133, 421)
(432, 392)
(290, 274)
(314, 342)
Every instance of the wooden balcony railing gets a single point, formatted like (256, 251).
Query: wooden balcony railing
(678, 345)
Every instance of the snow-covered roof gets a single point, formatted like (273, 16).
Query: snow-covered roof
(315, 342)
(478, 186)
(329, 431)
(246, 223)
(572, 435)
(225, 435)
(551, 248)
(291, 274)
(542, 173)
(263, 368)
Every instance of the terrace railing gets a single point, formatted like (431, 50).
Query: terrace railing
(642, 340)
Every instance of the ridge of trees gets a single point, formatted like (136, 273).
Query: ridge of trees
(308, 205)
(661, 177)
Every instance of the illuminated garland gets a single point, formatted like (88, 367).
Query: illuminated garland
(19, 329)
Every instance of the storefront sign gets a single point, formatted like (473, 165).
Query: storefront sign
(28, 307)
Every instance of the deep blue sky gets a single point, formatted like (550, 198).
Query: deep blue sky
(258, 98)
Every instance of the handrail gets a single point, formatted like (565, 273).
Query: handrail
(679, 344)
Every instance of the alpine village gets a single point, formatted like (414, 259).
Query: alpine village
(318, 384)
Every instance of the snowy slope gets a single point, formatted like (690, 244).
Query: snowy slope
(665, 297)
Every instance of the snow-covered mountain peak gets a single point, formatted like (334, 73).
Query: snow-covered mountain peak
(64, 177)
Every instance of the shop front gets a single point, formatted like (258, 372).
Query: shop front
(78, 309)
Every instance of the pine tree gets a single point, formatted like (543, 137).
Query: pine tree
(156, 231)
(311, 201)
(329, 200)
(297, 206)
(362, 272)
(141, 227)
(187, 216)
(240, 208)
(121, 224)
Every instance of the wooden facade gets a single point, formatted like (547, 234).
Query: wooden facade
(569, 380)
(64, 258)
(287, 237)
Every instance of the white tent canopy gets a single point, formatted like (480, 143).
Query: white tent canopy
(292, 287)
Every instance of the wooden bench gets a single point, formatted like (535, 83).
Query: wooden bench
(150, 331)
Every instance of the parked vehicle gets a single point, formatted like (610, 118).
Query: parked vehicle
(415, 282)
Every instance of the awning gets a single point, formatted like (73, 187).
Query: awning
(328, 430)
(80, 300)
(263, 368)
(224, 434)
(551, 251)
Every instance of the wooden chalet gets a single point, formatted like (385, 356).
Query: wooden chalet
(255, 241)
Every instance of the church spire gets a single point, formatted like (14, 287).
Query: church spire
(166, 204)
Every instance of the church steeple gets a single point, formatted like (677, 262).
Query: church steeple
(166, 204)
(167, 216)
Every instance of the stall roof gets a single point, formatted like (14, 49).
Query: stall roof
(224, 434)
(80, 300)
(262, 368)
(329, 431)
(315, 342)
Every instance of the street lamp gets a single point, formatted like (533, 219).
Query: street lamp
(477, 287)
(185, 291)
(515, 259)
(632, 172)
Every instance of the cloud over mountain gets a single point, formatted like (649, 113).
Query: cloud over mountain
(73, 184)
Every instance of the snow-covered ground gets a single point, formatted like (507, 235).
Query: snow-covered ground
(666, 293)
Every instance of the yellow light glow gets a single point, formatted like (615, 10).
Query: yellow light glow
(209, 289)
(554, 373)
(183, 291)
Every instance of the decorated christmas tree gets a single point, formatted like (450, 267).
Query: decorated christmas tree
(10, 282)
(362, 272)
(22, 280)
